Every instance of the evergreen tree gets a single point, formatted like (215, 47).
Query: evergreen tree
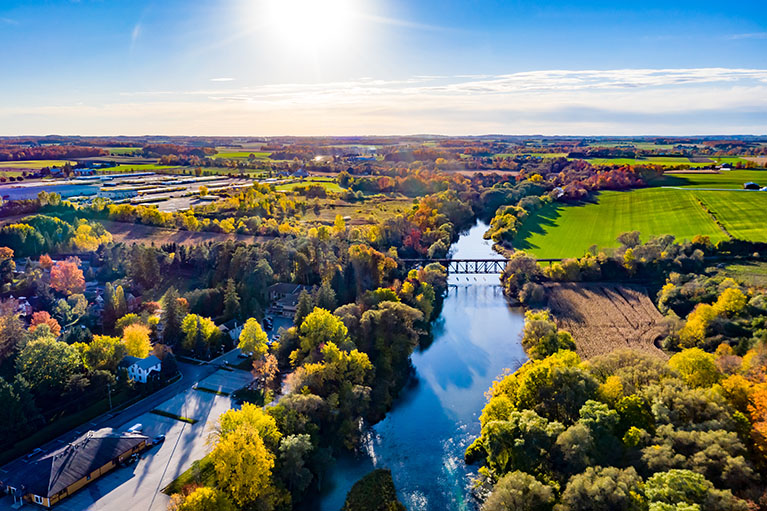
(325, 297)
(304, 308)
(172, 315)
(231, 301)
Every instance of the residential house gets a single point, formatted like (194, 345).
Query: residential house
(233, 328)
(51, 477)
(284, 297)
(141, 369)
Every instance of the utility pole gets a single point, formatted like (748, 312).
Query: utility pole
(109, 393)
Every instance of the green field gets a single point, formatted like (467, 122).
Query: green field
(330, 185)
(744, 214)
(33, 164)
(568, 231)
(725, 179)
(260, 155)
(119, 151)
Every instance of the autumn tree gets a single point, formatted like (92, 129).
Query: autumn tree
(319, 327)
(67, 277)
(205, 498)
(696, 367)
(104, 352)
(253, 339)
(519, 491)
(172, 315)
(42, 317)
(136, 340)
(11, 328)
(47, 365)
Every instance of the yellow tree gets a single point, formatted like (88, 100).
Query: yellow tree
(253, 339)
(254, 416)
(243, 465)
(136, 340)
(207, 499)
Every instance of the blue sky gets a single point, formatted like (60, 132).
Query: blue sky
(319, 67)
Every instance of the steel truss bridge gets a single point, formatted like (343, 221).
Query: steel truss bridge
(469, 266)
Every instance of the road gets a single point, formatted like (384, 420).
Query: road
(138, 486)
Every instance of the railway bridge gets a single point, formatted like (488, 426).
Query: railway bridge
(468, 266)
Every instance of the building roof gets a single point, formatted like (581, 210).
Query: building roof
(284, 288)
(59, 469)
(143, 363)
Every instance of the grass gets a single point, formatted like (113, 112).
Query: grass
(201, 472)
(260, 155)
(33, 164)
(752, 274)
(169, 415)
(559, 231)
(725, 179)
(329, 185)
(212, 391)
(744, 214)
(121, 151)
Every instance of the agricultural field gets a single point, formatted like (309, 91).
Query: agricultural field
(122, 151)
(752, 273)
(32, 164)
(606, 317)
(744, 214)
(726, 179)
(138, 167)
(123, 232)
(370, 211)
(329, 184)
(568, 231)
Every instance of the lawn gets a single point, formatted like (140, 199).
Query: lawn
(260, 155)
(568, 231)
(201, 472)
(725, 179)
(744, 214)
(120, 151)
(33, 164)
(329, 185)
(752, 273)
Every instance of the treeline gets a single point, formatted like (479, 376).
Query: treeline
(48, 152)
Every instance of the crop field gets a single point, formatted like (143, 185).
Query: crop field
(329, 185)
(121, 151)
(370, 211)
(744, 214)
(603, 317)
(138, 167)
(260, 155)
(568, 231)
(725, 179)
(752, 273)
(32, 164)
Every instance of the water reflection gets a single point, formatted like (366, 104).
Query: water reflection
(423, 438)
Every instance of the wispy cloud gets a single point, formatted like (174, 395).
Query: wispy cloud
(748, 35)
(222, 79)
(620, 101)
(8, 21)
(135, 35)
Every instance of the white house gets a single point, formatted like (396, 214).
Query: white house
(139, 369)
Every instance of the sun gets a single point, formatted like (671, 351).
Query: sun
(310, 24)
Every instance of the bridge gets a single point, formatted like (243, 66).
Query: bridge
(468, 266)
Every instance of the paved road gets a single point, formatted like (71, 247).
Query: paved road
(138, 486)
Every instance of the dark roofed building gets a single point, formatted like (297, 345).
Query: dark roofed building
(48, 479)
(141, 369)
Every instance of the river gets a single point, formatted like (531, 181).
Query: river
(423, 438)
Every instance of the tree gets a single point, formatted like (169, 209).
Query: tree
(304, 307)
(231, 300)
(67, 277)
(696, 367)
(253, 339)
(12, 333)
(694, 331)
(104, 352)
(136, 340)
(204, 498)
(518, 491)
(243, 465)
(47, 364)
(172, 316)
(731, 302)
(687, 487)
(320, 327)
(200, 334)
(253, 416)
(374, 492)
(293, 454)
(603, 489)
(42, 317)
(541, 337)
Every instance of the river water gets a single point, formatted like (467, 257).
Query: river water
(423, 438)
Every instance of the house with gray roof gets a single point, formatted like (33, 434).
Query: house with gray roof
(140, 369)
(49, 478)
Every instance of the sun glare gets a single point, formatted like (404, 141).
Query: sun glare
(311, 24)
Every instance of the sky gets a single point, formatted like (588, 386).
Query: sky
(382, 67)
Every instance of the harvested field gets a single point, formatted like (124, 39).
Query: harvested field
(137, 233)
(606, 317)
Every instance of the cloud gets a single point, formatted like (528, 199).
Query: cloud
(222, 79)
(749, 35)
(577, 102)
(135, 35)
(8, 21)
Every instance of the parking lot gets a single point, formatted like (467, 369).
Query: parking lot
(137, 486)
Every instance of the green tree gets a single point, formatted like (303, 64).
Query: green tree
(603, 489)
(687, 487)
(319, 327)
(18, 414)
(293, 455)
(172, 316)
(696, 367)
(304, 307)
(518, 491)
(253, 339)
(541, 338)
(47, 364)
(231, 300)
(374, 492)
(200, 334)
(103, 352)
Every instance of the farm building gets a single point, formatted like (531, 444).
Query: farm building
(141, 369)
(56, 475)
(751, 186)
